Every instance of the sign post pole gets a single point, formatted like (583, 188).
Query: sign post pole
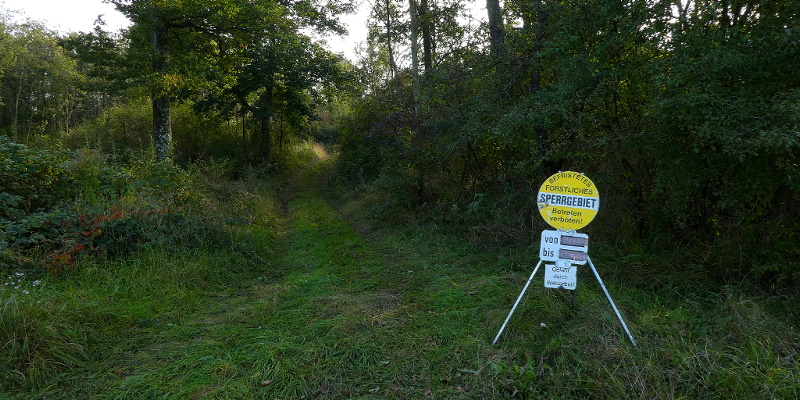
(600, 281)
(524, 289)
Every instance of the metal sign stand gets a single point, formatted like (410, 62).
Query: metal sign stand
(516, 303)
(600, 281)
(567, 201)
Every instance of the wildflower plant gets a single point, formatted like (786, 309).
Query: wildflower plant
(17, 283)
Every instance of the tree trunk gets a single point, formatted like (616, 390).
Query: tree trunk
(538, 31)
(392, 62)
(265, 119)
(412, 10)
(162, 121)
(162, 126)
(245, 147)
(427, 35)
(419, 141)
(496, 30)
(16, 105)
(266, 141)
(497, 49)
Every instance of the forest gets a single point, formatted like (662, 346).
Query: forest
(213, 204)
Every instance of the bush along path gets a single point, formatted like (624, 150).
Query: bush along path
(305, 306)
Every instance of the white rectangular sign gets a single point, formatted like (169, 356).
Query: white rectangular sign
(559, 245)
(560, 275)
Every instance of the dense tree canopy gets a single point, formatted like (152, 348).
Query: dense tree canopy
(196, 49)
(686, 111)
(39, 80)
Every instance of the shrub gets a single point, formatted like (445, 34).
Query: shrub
(121, 131)
(60, 206)
(30, 180)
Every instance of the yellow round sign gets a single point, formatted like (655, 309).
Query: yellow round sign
(568, 200)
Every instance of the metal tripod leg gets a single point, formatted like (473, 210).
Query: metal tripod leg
(600, 281)
(517, 303)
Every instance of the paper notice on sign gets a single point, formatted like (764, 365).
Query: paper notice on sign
(560, 275)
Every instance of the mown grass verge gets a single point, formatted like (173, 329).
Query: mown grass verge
(304, 305)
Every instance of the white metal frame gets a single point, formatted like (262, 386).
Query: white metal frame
(600, 281)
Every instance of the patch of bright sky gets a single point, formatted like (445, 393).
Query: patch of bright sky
(79, 16)
(66, 15)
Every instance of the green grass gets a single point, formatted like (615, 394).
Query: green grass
(308, 304)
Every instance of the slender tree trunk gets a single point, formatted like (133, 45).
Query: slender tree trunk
(162, 122)
(390, 49)
(538, 32)
(245, 147)
(496, 30)
(497, 49)
(281, 132)
(266, 141)
(412, 10)
(16, 104)
(418, 142)
(244, 130)
(265, 120)
(427, 35)
(162, 119)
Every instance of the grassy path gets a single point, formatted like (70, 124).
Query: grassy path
(360, 318)
(304, 306)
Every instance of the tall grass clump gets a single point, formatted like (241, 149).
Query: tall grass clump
(37, 343)
(75, 220)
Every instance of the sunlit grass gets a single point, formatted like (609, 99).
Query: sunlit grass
(304, 304)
